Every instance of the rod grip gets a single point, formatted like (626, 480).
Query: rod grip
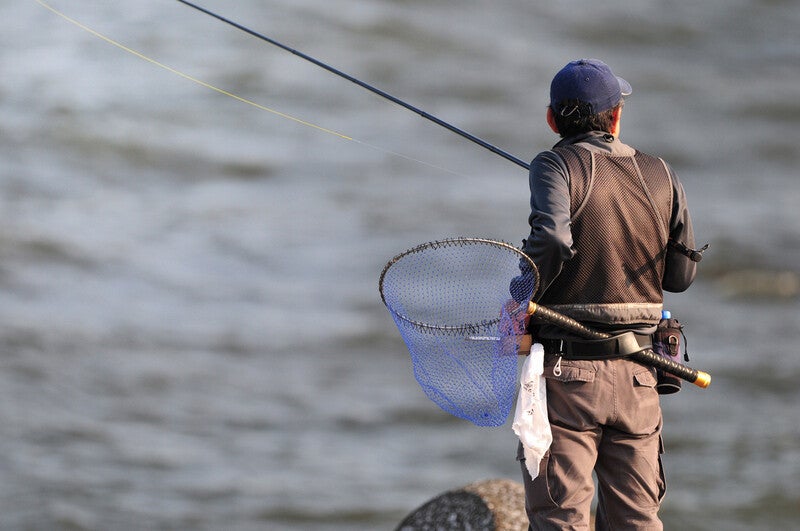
(648, 357)
(563, 322)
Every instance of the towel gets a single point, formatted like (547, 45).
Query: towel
(530, 418)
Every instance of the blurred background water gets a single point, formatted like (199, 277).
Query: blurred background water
(191, 335)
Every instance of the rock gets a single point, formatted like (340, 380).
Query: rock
(490, 505)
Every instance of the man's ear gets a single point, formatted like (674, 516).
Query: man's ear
(551, 120)
(616, 116)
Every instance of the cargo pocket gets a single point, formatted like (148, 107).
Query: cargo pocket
(645, 378)
(647, 415)
(572, 394)
(570, 371)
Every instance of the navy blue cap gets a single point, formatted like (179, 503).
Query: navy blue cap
(590, 81)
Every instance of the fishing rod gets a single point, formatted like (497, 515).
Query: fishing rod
(379, 92)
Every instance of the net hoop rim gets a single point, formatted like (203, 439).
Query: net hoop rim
(468, 328)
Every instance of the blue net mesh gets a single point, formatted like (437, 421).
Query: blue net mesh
(460, 305)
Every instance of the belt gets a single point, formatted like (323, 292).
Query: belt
(617, 346)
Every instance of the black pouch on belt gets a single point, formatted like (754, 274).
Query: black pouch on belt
(667, 343)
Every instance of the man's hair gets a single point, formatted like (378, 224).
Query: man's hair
(575, 118)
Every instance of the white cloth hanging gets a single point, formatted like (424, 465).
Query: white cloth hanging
(530, 418)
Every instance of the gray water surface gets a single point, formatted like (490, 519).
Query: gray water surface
(190, 327)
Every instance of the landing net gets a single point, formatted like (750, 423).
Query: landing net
(459, 305)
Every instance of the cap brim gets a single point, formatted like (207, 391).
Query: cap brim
(624, 87)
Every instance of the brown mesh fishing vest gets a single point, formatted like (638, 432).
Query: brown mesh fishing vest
(620, 211)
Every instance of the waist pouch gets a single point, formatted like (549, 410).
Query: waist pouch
(598, 349)
(667, 343)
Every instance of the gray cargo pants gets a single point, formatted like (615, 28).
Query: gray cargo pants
(605, 416)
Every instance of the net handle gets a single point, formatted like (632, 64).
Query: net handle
(647, 357)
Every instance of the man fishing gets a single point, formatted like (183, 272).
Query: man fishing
(603, 215)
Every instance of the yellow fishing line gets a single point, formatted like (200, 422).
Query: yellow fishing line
(230, 94)
(187, 76)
